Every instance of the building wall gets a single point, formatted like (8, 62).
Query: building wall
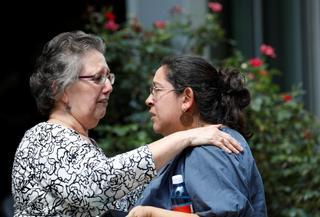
(311, 53)
(147, 11)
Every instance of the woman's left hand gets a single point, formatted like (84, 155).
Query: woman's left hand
(213, 135)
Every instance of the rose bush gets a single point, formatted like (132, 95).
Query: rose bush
(285, 141)
(286, 137)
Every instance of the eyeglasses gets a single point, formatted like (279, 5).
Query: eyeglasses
(154, 89)
(100, 78)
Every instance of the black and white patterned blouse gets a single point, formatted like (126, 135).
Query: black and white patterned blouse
(57, 172)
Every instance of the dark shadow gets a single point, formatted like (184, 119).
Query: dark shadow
(26, 26)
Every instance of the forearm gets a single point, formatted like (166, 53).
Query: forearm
(167, 148)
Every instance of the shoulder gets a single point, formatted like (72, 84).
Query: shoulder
(45, 128)
(37, 128)
(215, 153)
(50, 138)
(44, 131)
(237, 136)
(35, 134)
(214, 159)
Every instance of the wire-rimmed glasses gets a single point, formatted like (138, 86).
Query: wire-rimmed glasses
(99, 78)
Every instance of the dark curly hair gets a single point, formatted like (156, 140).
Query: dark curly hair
(59, 66)
(220, 95)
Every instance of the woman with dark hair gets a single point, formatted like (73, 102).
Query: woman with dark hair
(189, 92)
(58, 169)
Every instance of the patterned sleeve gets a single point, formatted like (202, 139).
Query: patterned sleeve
(55, 170)
(94, 178)
(127, 202)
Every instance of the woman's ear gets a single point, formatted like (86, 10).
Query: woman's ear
(188, 99)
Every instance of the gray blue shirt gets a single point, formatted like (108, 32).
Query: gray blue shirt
(220, 184)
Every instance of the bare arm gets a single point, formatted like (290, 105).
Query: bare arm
(168, 147)
(149, 211)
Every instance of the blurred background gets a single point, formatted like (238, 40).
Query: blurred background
(291, 27)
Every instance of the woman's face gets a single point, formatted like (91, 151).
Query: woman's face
(87, 99)
(164, 105)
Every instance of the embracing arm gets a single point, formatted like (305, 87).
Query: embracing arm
(167, 148)
(100, 180)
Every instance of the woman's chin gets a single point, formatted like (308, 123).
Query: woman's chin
(98, 117)
(158, 130)
(155, 128)
(102, 113)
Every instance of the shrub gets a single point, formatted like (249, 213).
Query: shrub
(285, 139)
(285, 142)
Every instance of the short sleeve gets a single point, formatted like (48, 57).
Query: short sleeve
(217, 182)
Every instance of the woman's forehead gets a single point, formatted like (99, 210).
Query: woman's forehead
(160, 77)
(160, 74)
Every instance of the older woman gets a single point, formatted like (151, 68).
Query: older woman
(189, 92)
(58, 169)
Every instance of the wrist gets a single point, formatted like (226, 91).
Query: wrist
(186, 138)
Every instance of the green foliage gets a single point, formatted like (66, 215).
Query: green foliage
(286, 137)
(285, 143)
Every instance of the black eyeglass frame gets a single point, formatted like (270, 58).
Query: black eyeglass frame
(100, 78)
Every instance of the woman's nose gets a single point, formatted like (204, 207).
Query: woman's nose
(107, 87)
(149, 101)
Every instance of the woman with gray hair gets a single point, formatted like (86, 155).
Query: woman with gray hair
(58, 169)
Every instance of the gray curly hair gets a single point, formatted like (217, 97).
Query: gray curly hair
(59, 66)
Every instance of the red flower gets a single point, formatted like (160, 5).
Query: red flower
(159, 24)
(110, 16)
(255, 62)
(215, 6)
(286, 97)
(111, 25)
(267, 50)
